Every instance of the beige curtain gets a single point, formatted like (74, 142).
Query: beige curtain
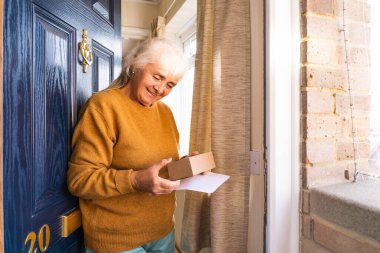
(221, 123)
(158, 27)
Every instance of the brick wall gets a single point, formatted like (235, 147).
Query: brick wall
(327, 148)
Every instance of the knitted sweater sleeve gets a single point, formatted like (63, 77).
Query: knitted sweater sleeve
(89, 174)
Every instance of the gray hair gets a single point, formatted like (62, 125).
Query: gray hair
(153, 51)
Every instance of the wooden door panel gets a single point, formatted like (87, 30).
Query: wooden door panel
(104, 8)
(16, 140)
(81, 14)
(53, 105)
(102, 68)
(43, 88)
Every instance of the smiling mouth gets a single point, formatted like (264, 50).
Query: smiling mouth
(153, 94)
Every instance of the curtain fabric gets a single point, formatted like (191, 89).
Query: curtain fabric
(221, 123)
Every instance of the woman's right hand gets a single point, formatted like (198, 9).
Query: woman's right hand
(147, 180)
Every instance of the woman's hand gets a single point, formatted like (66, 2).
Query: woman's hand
(194, 153)
(147, 180)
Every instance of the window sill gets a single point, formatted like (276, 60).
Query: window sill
(355, 206)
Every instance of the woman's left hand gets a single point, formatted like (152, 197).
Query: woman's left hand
(148, 180)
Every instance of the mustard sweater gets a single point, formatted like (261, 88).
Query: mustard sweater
(114, 136)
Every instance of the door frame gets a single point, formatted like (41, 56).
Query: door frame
(1, 130)
(282, 56)
(256, 222)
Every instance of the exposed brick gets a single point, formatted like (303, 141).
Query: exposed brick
(359, 33)
(309, 246)
(303, 26)
(361, 80)
(323, 175)
(355, 10)
(317, 102)
(317, 51)
(361, 126)
(345, 150)
(317, 151)
(313, 76)
(326, 120)
(321, 126)
(322, 28)
(323, 7)
(338, 239)
(340, 54)
(361, 103)
(360, 56)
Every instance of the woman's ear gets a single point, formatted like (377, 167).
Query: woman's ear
(130, 72)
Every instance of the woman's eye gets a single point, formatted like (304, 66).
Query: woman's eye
(157, 78)
(170, 85)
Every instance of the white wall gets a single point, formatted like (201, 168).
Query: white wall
(137, 15)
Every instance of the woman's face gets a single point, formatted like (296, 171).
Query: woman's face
(151, 83)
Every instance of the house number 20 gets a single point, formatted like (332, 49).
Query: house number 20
(43, 239)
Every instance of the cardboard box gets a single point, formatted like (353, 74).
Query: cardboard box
(191, 165)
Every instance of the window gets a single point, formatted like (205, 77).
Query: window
(180, 99)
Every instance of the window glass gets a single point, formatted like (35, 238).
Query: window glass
(180, 98)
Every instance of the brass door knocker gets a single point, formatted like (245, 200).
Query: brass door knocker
(85, 52)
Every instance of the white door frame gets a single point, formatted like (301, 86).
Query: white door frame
(282, 124)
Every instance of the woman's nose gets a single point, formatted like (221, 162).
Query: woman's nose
(159, 88)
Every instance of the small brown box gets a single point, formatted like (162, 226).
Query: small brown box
(191, 165)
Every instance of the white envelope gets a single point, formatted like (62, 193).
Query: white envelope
(203, 183)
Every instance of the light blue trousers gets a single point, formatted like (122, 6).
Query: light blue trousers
(163, 245)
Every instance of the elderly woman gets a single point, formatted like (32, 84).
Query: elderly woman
(122, 143)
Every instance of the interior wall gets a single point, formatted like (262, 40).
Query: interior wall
(137, 15)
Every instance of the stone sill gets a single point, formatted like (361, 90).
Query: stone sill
(355, 206)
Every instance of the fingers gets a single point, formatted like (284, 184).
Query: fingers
(194, 153)
(148, 180)
(166, 186)
(191, 154)
(165, 183)
(162, 164)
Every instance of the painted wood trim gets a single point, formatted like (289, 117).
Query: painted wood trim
(256, 211)
(71, 222)
(283, 122)
(1, 129)
(134, 33)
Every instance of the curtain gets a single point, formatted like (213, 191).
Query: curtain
(221, 123)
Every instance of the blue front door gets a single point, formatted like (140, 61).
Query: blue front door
(44, 86)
